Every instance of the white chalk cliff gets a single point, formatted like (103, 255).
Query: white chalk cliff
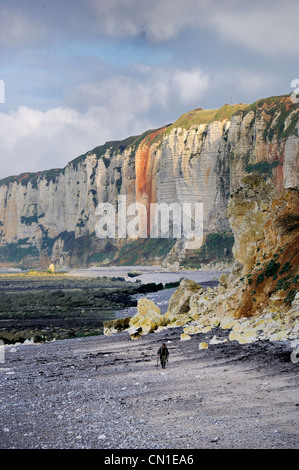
(51, 216)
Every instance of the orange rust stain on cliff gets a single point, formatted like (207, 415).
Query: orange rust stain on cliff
(26, 175)
(145, 176)
(144, 164)
(270, 149)
(143, 182)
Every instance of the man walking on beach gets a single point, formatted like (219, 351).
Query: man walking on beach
(163, 353)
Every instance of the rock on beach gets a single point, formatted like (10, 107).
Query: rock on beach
(109, 393)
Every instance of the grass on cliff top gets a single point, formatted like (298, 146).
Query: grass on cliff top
(267, 103)
(204, 116)
(25, 178)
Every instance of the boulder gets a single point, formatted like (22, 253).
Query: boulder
(147, 319)
(134, 273)
(148, 322)
(145, 305)
(135, 332)
(295, 303)
(51, 269)
(160, 328)
(245, 337)
(185, 337)
(228, 323)
(280, 336)
(192, 329)
(223, 280)
(175, 320)
(216, 340)
(179, 303)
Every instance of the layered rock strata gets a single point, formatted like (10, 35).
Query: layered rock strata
(50, 216)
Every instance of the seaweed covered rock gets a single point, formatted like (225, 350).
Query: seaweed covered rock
(114, 326)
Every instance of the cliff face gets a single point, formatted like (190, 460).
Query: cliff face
(259, 299)
(51, 216)
(266, 229)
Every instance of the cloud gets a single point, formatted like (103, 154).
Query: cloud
(245, 82)
(263, 26)
(190, 84)
(269, 29)
(111, 109)
(157, 20)
(32, 140)
(16, 29)
(141, 88)
(241, 84)
(266, 27)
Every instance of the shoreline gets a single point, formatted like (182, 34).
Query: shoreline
(108, 393)
(150, 273)
(42, 306)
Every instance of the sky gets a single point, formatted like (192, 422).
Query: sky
(77, 73)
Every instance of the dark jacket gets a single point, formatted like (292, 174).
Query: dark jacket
(163, 351)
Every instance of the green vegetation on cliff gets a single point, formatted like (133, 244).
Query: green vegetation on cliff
(279, 112)
(16, 252)
(217, 247)
(144, 250)
(262, 168)
(25, 178)
(204, 116)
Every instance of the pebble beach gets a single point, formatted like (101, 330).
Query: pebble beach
(103, 392)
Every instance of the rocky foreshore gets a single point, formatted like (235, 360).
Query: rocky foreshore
(41, 307)
(200, 310)
(108, 393)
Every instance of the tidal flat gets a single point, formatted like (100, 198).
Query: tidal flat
(43, 307)
(38, 307)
